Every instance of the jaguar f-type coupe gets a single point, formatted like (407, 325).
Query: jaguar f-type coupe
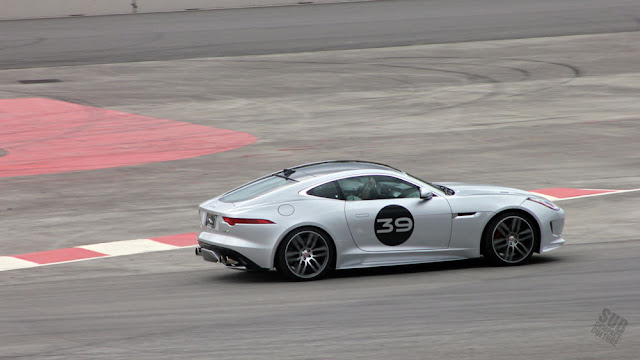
(308, 220)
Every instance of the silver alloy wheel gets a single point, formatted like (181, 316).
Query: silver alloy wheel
(307, 254)
(513, 239)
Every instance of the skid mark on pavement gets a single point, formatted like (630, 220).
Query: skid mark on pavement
(44, 136)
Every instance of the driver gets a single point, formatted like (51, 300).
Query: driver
(369, 190)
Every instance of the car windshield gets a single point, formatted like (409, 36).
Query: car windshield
(255, 188)
(417, 178)
(443, 188)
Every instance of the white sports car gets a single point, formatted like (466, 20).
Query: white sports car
(311, 219)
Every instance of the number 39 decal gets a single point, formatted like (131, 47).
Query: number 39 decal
(394, 225)
(402, 224)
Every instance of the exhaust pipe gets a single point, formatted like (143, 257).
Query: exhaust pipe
(209, 255)
(214, 256)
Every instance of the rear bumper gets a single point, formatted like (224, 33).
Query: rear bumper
(208, 255)
(227, 257)
(253, 252)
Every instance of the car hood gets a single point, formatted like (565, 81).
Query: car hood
(463, 189)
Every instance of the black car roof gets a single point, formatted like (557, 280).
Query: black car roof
(333, 166)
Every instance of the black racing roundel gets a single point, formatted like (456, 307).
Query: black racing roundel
(394, 225)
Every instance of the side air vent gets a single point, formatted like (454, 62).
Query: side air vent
(465, 214)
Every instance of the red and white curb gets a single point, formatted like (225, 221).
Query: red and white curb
(86, 252)
(560, 194)
(172, 242)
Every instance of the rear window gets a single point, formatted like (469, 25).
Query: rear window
(255, 188)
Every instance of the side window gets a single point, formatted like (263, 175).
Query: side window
(328, 190)
(377, 187)
(354, 188)
(390, 187)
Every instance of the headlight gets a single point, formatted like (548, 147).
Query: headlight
(544, 202)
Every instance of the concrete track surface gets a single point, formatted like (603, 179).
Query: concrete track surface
(534, 112)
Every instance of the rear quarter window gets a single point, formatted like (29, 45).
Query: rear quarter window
(328, 190)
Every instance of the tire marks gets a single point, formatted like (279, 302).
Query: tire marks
(402, 79)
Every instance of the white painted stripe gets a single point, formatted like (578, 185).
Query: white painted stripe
(11, 263)
(602, 189)
(603, 194)
(128, 247)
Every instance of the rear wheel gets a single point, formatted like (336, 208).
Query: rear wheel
(305, 254)
(510, 239)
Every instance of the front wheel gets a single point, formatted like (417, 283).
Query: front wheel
(305, 254)
(510, 239)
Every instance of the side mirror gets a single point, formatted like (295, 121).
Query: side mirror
(425, 194)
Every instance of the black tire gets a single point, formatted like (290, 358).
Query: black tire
(510, 239)
(306, 253)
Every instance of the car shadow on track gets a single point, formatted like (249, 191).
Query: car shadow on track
(238, 276)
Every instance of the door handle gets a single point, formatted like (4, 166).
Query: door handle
(362, 215)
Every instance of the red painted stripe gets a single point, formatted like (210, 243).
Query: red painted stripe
(178, 240)
(563, 193)
(44, 136)
(60, 255)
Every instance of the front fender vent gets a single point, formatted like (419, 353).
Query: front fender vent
(466, 214)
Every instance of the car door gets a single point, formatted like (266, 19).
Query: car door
(386, 213)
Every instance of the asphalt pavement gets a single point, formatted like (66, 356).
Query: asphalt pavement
(550, 103)
(273, 30)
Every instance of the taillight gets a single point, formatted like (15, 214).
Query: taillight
(233, 221)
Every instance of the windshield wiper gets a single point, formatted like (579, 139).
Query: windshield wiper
(445, 189)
